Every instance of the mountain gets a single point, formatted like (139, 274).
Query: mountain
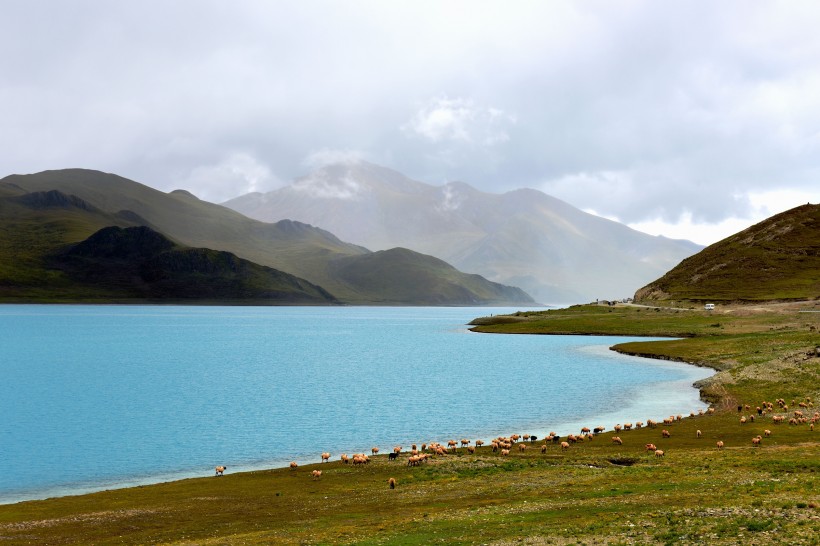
(776, 259)
(526, 238)
(139, 263)
(42, 212)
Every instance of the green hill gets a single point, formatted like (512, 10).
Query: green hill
(139, 263)
(40, 213)
(777, 259)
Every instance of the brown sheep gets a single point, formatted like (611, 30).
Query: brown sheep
(505, 452)
(627, 426)
(720, 444)
(650, 447)
(465, 442)
(767, 433)
(220, 470)
(659, 453)
(698, 433)
(325, 457)
(479, 443)
(293, 464)
(522, 447)
(391, 482)
(665, 433)
(617, 440)
(470, 449)
(397, 449)
(316, 474)
(756, 440)
(564, 446)
(345, 459)
(544, 448)
(374, 450)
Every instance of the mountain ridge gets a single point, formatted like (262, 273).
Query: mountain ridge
(524, 237)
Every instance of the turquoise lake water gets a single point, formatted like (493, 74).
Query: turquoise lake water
(98, 397)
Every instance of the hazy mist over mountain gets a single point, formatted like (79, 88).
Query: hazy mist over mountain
(526, 238)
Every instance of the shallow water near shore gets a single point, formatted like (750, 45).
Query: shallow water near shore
(99, 397)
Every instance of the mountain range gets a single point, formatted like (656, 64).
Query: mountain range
(554, 251)
(52, 249)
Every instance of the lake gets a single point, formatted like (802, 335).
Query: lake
(99, 397)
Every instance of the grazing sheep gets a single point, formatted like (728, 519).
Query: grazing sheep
(638, 424)
(316, 474)
(293, 464)
(650, 447)
(665, 433)
(618, 428)
(698, 433)
(505, 452)
(345, 459)
(659, 453)
(471, 449)
(767, 433)
(220, 470)
(756, 440)
(743, 420)
(598, 430)
(544, 448)
(617, 440)
(325, 457)
(522, 447)
(720, 444)
(564, 446)
(413, 460)
(391, 482)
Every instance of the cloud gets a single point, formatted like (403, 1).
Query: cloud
(237, 174)
(326, 156)
(325, 185)
(459, 120)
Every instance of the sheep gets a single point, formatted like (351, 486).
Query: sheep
(451, 444)
(392, 456)
(470, 449)
(585, 430)
(522, 447)
(374, 450)
(564, 446)
(391, 482)
(220, 470)
(598, 430)
(479, 443)
(650, 447)
(344, 458)
(665, 433)
(659, 453)
(316, 474)
(505, 452)
(618, 428)
(544, 448)
(743, 420)
(698, 433)
(720, 444)
(767, 433)
(325, 457)
(617, 440)
(293, 464)
(756, 440)
(413, 461)
(627, 426)
(397, 449)
(638, 424)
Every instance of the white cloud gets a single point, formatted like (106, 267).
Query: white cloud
(459, 120)
(324, 185)
(326, 156)
(237, 174)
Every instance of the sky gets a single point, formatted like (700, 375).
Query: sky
(692, 119)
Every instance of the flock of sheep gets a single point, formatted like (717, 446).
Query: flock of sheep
(504, 444)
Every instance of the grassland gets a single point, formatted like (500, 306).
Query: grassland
(596, 492)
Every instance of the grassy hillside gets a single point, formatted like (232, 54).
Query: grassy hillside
(92, 200)
(594, 492)
(422, 279)
(777, 259)
(139, 263)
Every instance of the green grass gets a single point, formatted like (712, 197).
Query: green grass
(594, 493)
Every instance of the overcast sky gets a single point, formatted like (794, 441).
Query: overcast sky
(691, 119)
